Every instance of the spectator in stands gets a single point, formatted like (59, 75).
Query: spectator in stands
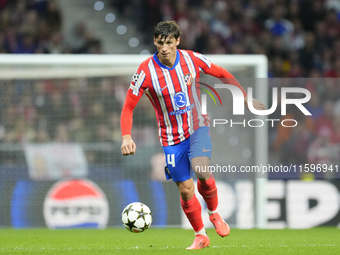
(277, 24)
(295, 148)
(43, 32)
(95, 46)
(336, 110)
(79, 132)
(219, 25)
(113, 122)
(103, 136)
(277, 48)
(214, 46)
(28, 27)
(24, 130)
(2, 44)
(206, 13)
(77, 38)
(57, 112)
(30, 23)
(55, 45)
(326, 118)
(336, 131)
(5, 20)
(323, 151)
(7, 157)
(26, 45)
(40, 98)
(61, 134)
(332, 24)
(52, 16)
(335, 71)
(307, 54)
(42, 136)
(296, 39)
(314, 106)
(284, 134)
(96, 114)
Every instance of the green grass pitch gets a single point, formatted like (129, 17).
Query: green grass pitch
(168, 241)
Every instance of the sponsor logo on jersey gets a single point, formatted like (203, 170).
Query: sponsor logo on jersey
(180, 99)
(74, 204)
(188, 108)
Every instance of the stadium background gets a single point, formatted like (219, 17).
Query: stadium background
(300, 39)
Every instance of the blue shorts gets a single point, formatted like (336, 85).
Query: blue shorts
(178, 157)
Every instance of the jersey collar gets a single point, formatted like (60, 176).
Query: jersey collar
(163, 66)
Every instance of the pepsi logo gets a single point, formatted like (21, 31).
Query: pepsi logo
(74, 204)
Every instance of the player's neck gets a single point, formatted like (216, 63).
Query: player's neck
(168, 62)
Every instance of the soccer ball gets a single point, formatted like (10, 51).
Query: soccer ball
(136, 217)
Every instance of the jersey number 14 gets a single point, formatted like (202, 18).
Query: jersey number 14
(170, 160)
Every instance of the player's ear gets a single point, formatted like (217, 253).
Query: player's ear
(178, 41)
(154, 41)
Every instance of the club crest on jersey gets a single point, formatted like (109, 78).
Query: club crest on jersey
(188, 79)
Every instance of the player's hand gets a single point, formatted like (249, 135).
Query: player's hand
(128, 146)
(257, 104)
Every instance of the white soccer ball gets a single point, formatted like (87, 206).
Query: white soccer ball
(136, 217)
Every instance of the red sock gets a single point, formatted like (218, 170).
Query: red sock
(192, 210)
(208, 191)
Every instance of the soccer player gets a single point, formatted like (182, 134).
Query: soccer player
(169, 79)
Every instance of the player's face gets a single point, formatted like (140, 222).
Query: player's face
(166, 48)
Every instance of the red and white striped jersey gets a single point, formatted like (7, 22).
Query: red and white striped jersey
(173, 94)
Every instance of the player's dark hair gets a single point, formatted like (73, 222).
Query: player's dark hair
(165, 29)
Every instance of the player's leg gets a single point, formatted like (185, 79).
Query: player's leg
(200, 153)
(205, 182)
(191, 206)
(178, 169)
(200, 156)
(207, 188)
(193, 210)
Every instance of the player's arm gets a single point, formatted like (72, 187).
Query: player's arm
(258, 105)
(128, 145)
(227, 78)
(133, 95)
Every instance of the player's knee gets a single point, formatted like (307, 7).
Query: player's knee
(187, 192)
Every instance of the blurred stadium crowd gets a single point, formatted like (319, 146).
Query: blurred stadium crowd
(85, 111)
(30, 26)
(300, 37)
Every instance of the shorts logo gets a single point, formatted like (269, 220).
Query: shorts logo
(204, 150)
(188, 79)
(180, 99)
